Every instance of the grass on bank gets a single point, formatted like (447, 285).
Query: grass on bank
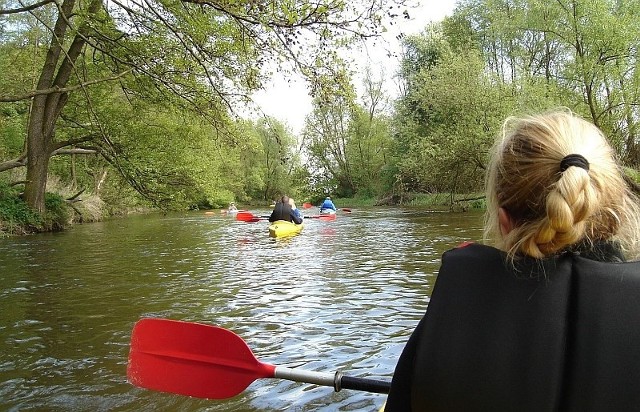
(449, 201)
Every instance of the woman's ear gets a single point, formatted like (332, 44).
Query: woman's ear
(506, 224)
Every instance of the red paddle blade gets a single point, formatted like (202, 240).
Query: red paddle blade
(192, 359)
(245, 216)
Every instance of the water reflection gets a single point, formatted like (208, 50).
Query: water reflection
(341, 295)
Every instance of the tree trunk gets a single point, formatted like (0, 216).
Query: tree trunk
(39, 148)
(36, 186)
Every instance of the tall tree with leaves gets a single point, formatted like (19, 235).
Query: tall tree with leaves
(446, 122)
(280, 157)
(369, 145)
(327, 131)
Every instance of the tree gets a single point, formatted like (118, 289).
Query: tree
(326, 132)
(280, 158)
(369, 145)
(209, 53)
(447, 121)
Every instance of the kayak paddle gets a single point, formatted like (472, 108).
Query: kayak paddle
(206, 361)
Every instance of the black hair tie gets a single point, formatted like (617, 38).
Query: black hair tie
(574, 160)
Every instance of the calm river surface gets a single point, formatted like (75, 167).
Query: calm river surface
(342, 295)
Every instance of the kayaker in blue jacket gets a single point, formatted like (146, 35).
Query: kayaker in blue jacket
(327, 205)
(284, 211)
(545, 319)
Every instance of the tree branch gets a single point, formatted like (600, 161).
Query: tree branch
(12, 164)
(74, 198)
(74, 151)
(57, 89)
(26, 8)
(72, 142)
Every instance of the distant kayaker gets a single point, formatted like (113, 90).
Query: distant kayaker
(284, 211)
(327, 206)
(545, 319)
(232, 208)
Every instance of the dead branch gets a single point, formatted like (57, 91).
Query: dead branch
(74, 198)
(19, 182)
(74, 151)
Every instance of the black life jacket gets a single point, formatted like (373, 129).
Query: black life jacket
(560, 334)
(282, 211)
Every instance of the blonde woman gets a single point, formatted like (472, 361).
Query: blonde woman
(546, 315)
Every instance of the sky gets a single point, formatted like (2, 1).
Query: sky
(287, 99)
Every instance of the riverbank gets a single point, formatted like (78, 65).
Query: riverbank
(66, 209)
(62, 211)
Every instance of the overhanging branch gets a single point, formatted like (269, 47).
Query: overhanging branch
(26, 8)
(74, 151)
(57, 89)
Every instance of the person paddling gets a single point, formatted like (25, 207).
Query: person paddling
(327, 206)
(284, 211)
(544, 316)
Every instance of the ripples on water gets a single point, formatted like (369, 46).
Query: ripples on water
(343, 295)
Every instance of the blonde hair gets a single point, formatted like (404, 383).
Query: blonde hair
(552, 210)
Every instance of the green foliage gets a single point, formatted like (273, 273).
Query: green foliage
(12, 132)
(632, 174)
(14, 212)
(480, 204)
(58, 213)
(163, 133)
(188, 61)
(348, 144)
(282, 171)
(17, 218)
(446, 126)
(490, 60)
(369, 143)
(585, 54)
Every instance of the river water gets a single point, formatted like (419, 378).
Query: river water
(343, 295)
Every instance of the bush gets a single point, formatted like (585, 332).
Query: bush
(15, 215)
(58, 213)
(17, 218)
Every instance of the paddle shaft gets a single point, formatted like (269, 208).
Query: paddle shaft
(336, 380)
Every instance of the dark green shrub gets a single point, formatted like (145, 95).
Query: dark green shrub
(58, 213)
(17, 218)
